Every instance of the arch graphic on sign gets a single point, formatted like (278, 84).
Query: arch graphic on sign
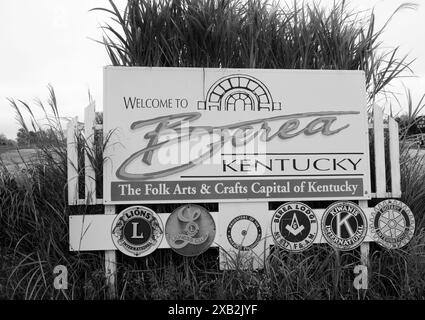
(239, 93)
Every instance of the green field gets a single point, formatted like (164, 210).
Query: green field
(12, 157)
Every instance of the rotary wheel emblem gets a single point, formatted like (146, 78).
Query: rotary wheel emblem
(393, 224)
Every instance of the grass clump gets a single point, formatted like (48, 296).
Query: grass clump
(251, 34)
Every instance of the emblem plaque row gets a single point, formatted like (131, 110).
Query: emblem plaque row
(190, 229)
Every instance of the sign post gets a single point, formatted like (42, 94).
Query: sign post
(111, 263)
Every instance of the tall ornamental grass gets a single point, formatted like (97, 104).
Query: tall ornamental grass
(251, 34)
(241, 34)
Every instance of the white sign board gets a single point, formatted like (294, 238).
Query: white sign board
(230, 135)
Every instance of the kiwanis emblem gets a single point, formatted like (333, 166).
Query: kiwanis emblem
(244, 233)
(393, 224)
(344, 225)
(190, 230)
(294, 226)
(137, 231)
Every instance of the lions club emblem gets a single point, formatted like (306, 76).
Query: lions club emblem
(137, 231)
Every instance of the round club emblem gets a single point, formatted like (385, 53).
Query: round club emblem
(137, 231)
(393, 224)
(190, 230)
(294, 226)
(244, 233)
(344, 225)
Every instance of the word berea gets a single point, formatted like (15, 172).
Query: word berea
(206, 142)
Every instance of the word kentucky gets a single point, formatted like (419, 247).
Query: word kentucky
(238, 134)
(322, 164)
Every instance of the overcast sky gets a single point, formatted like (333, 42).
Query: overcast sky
(48, 41)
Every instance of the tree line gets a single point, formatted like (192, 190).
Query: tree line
(27, 138)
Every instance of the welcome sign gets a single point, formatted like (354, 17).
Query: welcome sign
(196, 135)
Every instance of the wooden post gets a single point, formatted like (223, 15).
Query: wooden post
(90, 175)
(394, 158)
(364, 254)
(379, 147)
(365, 247)
(111, 264)
(72, 165)
(337, 271)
